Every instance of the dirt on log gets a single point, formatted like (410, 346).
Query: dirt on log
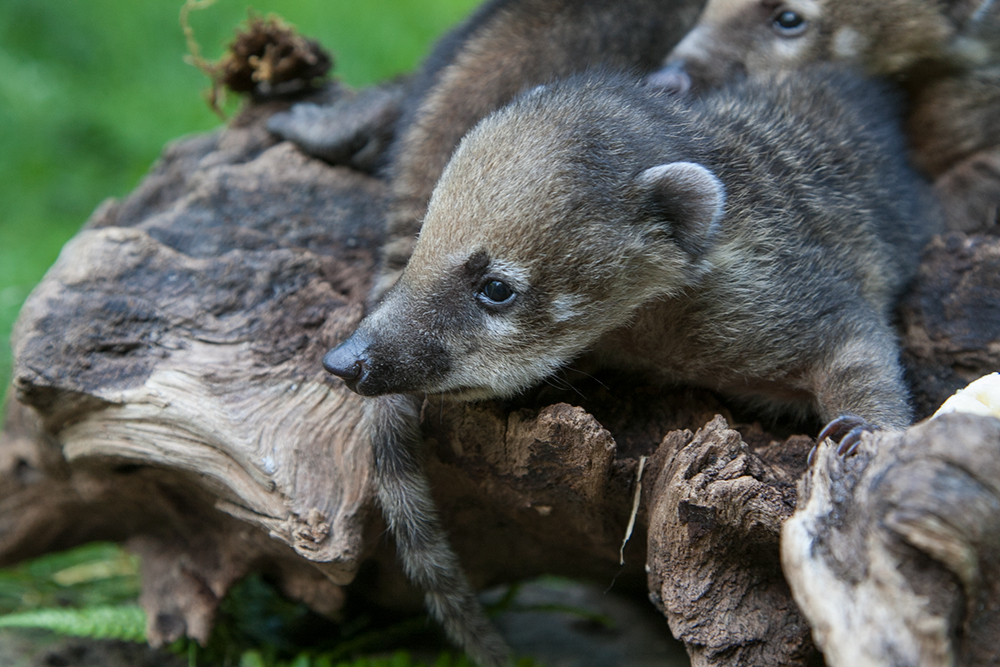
(168, 394)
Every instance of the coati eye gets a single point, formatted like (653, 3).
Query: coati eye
(789, 23)
(495, 292)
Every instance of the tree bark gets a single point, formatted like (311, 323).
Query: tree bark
(168, 394)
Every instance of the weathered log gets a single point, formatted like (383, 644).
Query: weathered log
(951, 318)
(176, 338)
(169, 395)
(715, 516)
(894, 554)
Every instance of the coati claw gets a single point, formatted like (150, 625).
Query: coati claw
(849, 443)
(849, 429)
(839, 426)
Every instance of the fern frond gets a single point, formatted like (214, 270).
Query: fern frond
(124, 622)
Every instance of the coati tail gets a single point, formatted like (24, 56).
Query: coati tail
(428, 560)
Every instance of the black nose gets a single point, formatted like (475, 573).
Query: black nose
(672, 78)
(347, 360)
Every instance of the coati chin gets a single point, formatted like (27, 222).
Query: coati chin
(944, 53)
(752, 241)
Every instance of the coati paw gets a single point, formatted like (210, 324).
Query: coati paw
(353, 129)
(849, 429)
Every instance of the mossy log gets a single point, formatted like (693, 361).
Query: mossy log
(168, 395)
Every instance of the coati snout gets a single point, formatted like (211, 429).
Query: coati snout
(376, 366)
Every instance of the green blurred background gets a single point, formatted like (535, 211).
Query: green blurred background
(90, 90)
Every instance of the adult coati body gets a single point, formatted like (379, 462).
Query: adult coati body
(752, 242)
(944, 53)
(505, 47)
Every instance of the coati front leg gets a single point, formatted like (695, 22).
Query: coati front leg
(404, 494)
(859, 386)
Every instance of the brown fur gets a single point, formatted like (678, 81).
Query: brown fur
(945, 54)
(505, 47)
(508, 46)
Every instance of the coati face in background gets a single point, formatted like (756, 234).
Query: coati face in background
(734, 37)
(525, 258)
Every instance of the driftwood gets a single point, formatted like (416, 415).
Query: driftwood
(168, 394)
(895, 553)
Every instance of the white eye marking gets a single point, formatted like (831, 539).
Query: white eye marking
(500, 327)
(788, 49)
(567, 306)
(848, 43)
(516, 275)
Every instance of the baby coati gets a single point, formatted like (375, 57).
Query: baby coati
(505, 47)
(752, 241)
(944, 53)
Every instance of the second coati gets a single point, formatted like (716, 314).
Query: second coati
(944, 53)
(752, 241)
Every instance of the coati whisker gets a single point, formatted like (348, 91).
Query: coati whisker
(562, 384)
(590, 376)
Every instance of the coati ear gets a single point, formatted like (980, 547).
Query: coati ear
(689, 198)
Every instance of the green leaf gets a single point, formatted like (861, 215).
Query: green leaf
(93, 575)
(125, 622)
(252, 659)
